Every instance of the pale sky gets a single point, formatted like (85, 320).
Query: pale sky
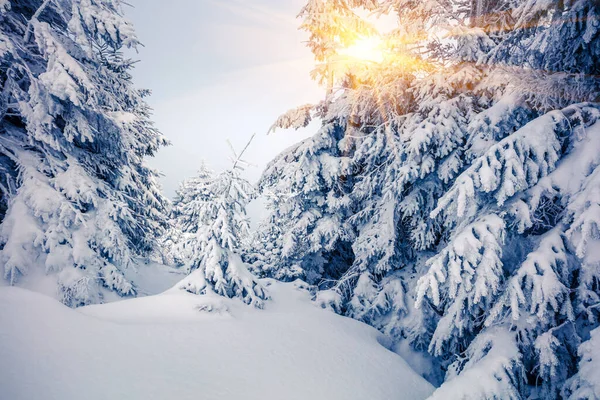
(221, 69)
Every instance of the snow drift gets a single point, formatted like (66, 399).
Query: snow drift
(177, 345)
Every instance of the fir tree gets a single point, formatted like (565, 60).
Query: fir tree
(78, 200)
(469, 182)
(585, 384)
(210, 213)
(307, 209)
(180, 239)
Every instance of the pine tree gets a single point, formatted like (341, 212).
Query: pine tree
(382, 115)
(210, 213)
(191, 195)
(307, 209)
(586, 384)
(522, 178)
(78, 200)
(470, 178)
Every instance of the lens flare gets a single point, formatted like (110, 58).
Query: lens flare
(370, 49)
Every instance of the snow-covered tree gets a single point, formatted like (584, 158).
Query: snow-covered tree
(586, 383)
(390, 130)
(78, 200)
(467, 161)
(530, 277)
(179, 239)
(307, 210)
(210, 214)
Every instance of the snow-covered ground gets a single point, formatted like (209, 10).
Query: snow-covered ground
(147, 279)
(181, 346)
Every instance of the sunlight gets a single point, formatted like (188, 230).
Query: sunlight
(370, 49)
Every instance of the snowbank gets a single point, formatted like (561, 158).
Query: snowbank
(147, 279)
(182, 346)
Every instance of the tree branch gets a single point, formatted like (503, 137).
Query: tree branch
(34, 17)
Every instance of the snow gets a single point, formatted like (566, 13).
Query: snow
(487, 373)
(147, 279)
(152, 278)
(295, 118)
(177, 345)
(586, 383)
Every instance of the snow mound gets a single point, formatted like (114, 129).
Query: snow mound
(177, 345)
(146, 278)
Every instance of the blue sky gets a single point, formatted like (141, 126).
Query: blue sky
(221, 70)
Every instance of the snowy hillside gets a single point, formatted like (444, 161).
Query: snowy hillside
(181, 346)
(147, 279)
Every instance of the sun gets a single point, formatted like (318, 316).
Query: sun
(367, 48)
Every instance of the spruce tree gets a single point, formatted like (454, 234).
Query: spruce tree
(78, 201)
(179, 239)
(210, 213)
(469, 172)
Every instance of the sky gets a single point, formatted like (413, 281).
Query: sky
(219, 70)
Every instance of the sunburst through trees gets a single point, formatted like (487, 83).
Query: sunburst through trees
(421, 206)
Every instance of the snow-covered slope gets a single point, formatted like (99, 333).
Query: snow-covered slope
(172, 346)
(146, 278)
